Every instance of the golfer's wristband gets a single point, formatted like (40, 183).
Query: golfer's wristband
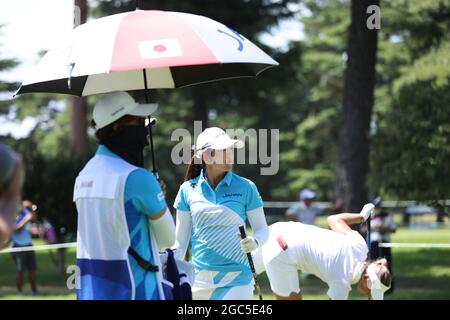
(183, 233)
(259, 225)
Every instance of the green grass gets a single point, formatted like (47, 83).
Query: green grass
(51, 283)
(421, 274)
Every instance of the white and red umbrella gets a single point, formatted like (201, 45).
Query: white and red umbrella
(145, 49)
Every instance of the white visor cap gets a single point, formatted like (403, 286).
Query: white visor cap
(215, 138)
(377, 289)
(113, 106)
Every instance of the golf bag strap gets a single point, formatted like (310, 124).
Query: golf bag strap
(144, 264)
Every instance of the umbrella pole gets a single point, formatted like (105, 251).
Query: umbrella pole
(149, 128)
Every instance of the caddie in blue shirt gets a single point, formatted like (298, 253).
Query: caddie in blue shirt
(123, 218)
(211, 205)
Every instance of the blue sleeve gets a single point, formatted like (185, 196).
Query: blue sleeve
(254, 200)
(25, 212)
(145, 192)
(181, 202)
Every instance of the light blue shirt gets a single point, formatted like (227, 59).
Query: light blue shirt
(216, 217)
(143, 199)
(22, 237)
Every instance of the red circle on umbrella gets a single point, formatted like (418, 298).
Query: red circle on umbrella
(159, 48)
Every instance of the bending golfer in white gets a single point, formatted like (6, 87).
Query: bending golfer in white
(337, 256)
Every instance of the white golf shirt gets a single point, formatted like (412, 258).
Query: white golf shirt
(331, 256)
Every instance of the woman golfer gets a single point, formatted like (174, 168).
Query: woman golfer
(211, 205)
(337, 256)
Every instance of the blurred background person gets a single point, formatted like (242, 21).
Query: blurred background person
(21, 237)
(305, 212)
(382, 226)
(11, 181)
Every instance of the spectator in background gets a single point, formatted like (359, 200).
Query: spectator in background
(21, 237)
(336, 207)
(11, 181)
(382, 226)
(49, 232)
(305, 212)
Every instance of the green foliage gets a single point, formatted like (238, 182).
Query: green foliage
(247, 17)
(310, 156)
(266, 102)
(410, 149)
(51, 168)
(6, 64)
(302, 98)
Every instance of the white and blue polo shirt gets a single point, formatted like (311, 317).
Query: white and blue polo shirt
(216, 217)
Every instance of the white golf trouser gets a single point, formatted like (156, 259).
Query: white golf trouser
(204, 287)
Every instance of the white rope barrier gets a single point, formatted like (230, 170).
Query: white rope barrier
(326, 204)
(383, 244)
(415, 245)
(42, 247)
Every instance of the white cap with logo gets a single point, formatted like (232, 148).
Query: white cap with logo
(215, 138)
(113, 106)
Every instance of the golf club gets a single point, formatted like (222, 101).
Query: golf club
(250, 262)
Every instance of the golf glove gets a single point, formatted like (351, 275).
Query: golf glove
(249, 244)
(367, 211)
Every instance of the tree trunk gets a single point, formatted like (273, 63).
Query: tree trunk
(200, 107)
(353, 154)
(440, 206)
(78, 124)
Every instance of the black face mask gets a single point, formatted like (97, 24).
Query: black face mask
(129, 144)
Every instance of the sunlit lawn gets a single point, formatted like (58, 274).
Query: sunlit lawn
(51, 284)
(420, 273)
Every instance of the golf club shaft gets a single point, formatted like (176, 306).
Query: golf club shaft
(250, 262)
(368, 237)
(369, 255)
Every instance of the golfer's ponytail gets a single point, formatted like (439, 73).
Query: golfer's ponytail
(193, 170)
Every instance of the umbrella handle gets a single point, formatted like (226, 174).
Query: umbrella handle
(150, 138)
(150, 135)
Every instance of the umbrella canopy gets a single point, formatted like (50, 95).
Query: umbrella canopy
(173, 49)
